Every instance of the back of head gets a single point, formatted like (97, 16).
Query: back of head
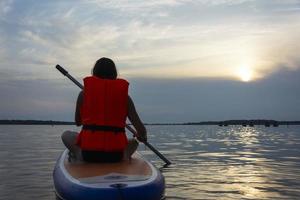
(105, 68)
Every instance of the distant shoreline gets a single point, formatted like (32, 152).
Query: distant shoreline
(34, 122)
(219, 123)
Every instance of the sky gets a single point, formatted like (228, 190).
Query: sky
(186, 60)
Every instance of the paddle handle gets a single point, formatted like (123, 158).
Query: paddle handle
(65, 73)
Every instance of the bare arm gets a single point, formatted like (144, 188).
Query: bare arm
(136, 121)
(77, 111)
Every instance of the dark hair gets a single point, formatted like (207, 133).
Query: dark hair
(105, 68)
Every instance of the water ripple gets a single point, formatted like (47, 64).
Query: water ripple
(209, 162)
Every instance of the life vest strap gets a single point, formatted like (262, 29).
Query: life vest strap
(103, 128)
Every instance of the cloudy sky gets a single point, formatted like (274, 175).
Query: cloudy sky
(186, 60)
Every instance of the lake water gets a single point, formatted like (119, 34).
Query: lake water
(209, 162)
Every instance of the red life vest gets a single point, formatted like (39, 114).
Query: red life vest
(104, 104)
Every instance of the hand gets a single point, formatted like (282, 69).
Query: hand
(142, 136)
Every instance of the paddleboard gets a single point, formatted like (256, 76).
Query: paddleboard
(135, 179)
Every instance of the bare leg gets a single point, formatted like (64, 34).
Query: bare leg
(69, 140)
(131, 148)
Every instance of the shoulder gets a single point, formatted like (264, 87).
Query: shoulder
(89, 79)
(121, 80)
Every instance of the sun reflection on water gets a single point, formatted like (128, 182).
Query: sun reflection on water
(233, 163)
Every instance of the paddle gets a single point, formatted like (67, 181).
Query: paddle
(65, 73)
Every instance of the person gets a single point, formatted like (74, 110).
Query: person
(101, 109)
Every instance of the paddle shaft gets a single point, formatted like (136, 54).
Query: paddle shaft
(65, 73)
(150, 146)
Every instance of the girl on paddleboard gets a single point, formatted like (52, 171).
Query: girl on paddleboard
(102, 109)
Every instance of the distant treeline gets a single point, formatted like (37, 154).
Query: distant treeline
(253, 122)
(219, 123)
(35, 122)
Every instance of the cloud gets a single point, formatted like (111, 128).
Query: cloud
(136, 5)
(222, 2)
(37, 99)
(207, 38)
(5, 7)
(164, 100)
(275, 97)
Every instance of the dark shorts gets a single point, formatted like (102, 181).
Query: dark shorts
(100, 156)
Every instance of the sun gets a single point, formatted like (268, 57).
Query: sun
(245, 74)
